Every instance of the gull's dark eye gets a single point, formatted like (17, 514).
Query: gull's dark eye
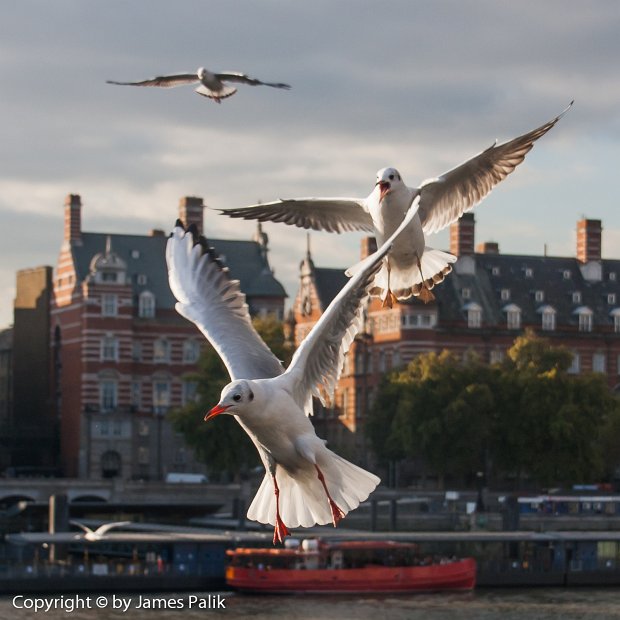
(391, 177)
(237, 397)
(251, 395)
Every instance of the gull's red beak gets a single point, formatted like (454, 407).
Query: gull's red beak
(216, 411)
(384, 188)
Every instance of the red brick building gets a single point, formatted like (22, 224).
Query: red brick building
(488, 300)
(122, 356)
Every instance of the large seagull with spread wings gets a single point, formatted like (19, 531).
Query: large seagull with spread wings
(411, 267)
(305, 483)
(212, 85)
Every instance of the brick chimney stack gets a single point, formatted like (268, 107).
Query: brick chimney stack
(368, 247)
(73, 218)
(462, 235)
(589, 240)
(191, 209)
(488, 247)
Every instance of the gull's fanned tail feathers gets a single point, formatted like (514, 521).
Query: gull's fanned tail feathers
(302, 498)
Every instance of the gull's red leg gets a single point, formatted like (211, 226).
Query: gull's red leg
(337, 514)
(280, 530)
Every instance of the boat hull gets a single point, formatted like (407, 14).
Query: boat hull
(459, 575)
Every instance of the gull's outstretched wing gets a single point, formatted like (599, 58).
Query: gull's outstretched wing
(209, 298)
(81, 526)
(242, 78)
(106, 527)
(317, 363)
(330, 214)
(163, 81)
(444, 199)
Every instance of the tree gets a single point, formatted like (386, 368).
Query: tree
(440, 408)
(526, 416)
(222, 444)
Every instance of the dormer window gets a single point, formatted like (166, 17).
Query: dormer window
(513, 316)
(528, 272)
(135, 253)
(142, 279)
(109, 276)
(612, 276)
(611, 299)
(576, 297)
(505, 294)
(566, 274)
(539, 296)
(548, 318)
(474, 315)
(615, 315)
(466, 293)
(495, 271)
(585, 316)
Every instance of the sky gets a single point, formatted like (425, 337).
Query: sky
(420, 85)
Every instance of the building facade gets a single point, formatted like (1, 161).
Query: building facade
(488, 300)
(122, 356)
(6, 397)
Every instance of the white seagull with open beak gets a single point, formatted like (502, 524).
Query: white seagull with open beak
(411, 268)
(212, 85)
(305, 482)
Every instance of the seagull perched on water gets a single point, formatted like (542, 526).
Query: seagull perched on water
(411, 267)
(305, 483)
(98, 534)
(212, 85)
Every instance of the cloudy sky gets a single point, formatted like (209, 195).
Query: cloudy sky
(419, 85)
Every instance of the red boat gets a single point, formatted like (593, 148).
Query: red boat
(351, 566)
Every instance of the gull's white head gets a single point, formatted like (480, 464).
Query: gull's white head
(236, 398)
(387, 180)
(201, 73)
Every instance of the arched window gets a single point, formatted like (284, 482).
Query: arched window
(161, 351)
(108, 391)
(191, 351)
(146, 305)
(161, 394)
(110, 464)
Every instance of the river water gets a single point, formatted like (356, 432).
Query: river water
(515, 604)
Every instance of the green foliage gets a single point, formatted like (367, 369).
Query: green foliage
(524, 416)
(222, 444)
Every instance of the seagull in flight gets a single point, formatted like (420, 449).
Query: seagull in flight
(411, 267)
(98, 534)
(212, 85)
(305, 483)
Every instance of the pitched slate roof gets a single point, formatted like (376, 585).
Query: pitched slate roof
(145, 255)
(329, 282)
(556, 277)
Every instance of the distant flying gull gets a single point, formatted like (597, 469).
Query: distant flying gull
(100, 532)
(411, 268)
(305, 483)
(212, 85)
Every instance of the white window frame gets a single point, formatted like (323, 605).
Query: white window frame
(109, 304)
(146, 305)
